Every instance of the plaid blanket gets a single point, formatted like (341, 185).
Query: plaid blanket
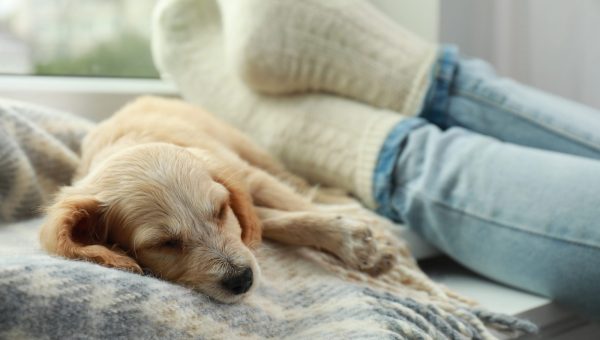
(303, 293)
(38, 153)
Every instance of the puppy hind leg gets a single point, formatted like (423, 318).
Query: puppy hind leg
(259, 158)
(268, 191)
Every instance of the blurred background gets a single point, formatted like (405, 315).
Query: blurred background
(108, 38)
(550, 44)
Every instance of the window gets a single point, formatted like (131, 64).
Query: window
(103, 38)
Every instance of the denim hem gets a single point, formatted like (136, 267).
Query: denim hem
(436, 100)
(383, 175)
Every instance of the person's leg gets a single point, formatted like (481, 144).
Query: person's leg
(467, 93)
(526, 217)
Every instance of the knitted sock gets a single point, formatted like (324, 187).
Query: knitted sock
(346, 47)
(325, 138)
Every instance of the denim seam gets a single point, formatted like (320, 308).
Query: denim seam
(504, 225)
(388, 156)
(437, 98)
(516, 113)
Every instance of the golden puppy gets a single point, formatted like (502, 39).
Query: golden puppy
(167, 187)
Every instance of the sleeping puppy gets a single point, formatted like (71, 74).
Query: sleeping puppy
(167, 187)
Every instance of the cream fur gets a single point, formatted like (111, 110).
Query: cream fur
(166, 187)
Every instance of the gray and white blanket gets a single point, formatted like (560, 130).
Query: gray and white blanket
(303, 293)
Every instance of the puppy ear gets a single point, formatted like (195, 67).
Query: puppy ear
(73, 229)
(243, 208)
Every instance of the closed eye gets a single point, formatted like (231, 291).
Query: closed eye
(172, 244)
(222, 212)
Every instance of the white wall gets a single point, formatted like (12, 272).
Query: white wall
(549, 44)
(420, 16)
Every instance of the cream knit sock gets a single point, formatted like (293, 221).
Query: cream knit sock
(325, 138)
(346, 47)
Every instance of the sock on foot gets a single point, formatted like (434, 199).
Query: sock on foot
(346, 47)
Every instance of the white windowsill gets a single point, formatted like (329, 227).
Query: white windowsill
(84, 85)
(93, 98)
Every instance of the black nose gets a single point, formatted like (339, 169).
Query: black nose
(239, 283)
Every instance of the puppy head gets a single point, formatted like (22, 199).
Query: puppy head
(160, 208)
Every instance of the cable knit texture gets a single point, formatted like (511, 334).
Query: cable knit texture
(346, 47)
(327, 139)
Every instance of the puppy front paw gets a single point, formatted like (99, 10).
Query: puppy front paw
(361, 249)
(386, 257)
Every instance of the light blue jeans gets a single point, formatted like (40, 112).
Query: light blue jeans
(503, 178)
